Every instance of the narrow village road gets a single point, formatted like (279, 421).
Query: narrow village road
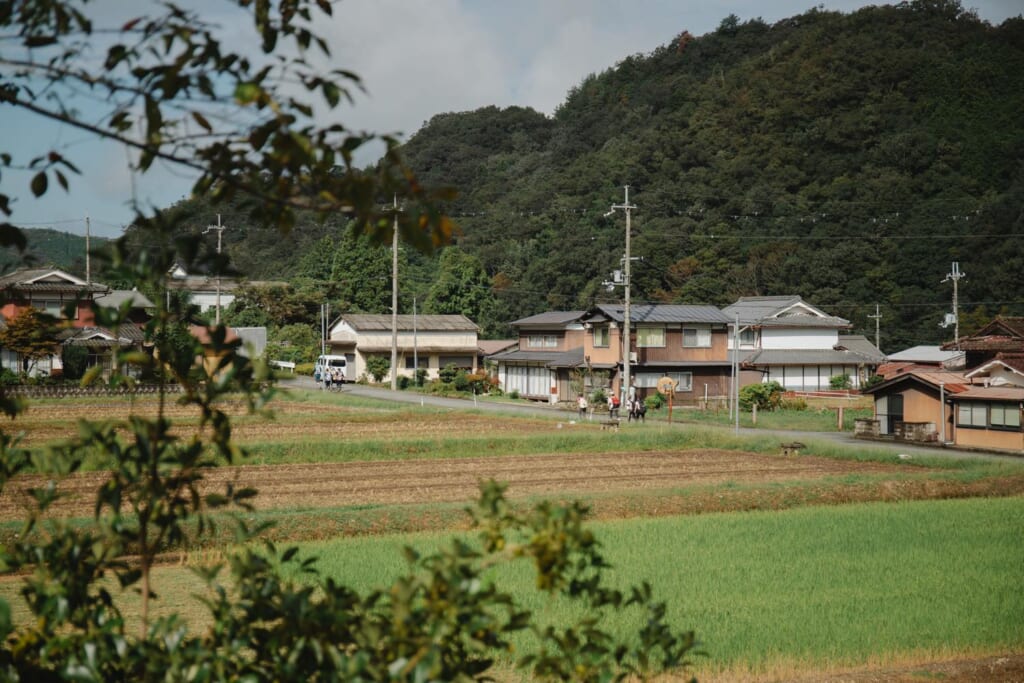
(535, 409)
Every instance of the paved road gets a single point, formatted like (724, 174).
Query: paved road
(554, 412)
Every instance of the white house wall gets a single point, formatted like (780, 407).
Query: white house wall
(810, 377)
(797, 338)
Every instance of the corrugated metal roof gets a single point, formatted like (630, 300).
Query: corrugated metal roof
(953, 382)
(366, 322)
(925, 354)
(1003, 393)
(663, 313)
(549, 318)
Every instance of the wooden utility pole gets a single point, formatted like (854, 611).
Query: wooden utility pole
(220, 233)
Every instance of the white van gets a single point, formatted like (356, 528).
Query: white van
(331, 362)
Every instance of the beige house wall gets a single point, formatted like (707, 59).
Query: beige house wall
(989, 438)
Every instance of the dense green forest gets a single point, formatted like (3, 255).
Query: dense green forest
(50, 247)
(847, 158)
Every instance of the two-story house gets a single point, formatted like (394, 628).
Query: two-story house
(50, 290)
(684, 342)
(542, 365)
(558, 349)
(798, 345)
(430, 342)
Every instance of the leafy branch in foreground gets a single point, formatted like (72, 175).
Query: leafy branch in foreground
(167, 87)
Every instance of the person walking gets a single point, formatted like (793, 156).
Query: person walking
(581, 405)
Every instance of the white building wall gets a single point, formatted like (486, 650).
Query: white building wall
(799, 338)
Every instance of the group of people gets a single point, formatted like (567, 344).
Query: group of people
(636, 409)
(333, 378)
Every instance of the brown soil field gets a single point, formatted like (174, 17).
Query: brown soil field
(307, 486)
(292, 421)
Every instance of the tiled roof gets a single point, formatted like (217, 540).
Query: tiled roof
(489, 347)
(771, 311)
(116, 297)
(663, 313)
(552, 359)
(47, 280)
(753, 308)
(125, 335)
(808, 357)
(366, 322)
(859, 344)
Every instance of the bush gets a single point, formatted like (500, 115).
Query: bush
(514, 394)
(840, 382)
(8, 378)
(766, 396)
(654, 401)
(872, 381)
(447, 373)
(598, 398)
(75, 360)
(403, 382)
(461, 380)
(304, 368)
(421, 376)
(796, 403)
(378, 367)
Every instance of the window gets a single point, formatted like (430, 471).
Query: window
(50, 306)
(462, 362)
(1005, 416)
(650, 337)
(410, 362)
(542, 341)
(971, 414)
(696, 337)
(601, 337)
(747, 337)
(649, 380)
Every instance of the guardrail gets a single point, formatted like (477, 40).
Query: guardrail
(282, 364)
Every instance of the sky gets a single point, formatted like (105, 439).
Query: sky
(416, 58)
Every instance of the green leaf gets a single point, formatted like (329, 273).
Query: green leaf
(201, 120)
(247, 93)
(11, 236)
(39, 184)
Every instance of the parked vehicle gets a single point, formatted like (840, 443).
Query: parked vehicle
(328, 363)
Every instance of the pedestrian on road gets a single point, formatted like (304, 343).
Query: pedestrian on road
(581, 405)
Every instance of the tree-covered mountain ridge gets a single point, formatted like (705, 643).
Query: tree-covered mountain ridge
(848, 158)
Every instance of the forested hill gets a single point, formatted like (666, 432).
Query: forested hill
(847, 158)
(48, 247)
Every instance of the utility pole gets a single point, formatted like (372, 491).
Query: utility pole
(627, 208)
(394, 298)
(878, 337)
(220, 234)
(88, 272)
(955, 275)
